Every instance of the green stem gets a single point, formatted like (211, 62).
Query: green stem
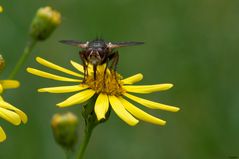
(23, 58)
(69, 154)
(91, 122)
(86, 139)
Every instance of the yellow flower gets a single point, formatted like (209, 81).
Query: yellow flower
(8, 111)
(1, 10)
(110, 89)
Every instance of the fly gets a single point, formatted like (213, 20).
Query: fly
(99, 52)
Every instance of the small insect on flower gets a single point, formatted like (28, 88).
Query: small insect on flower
(99, 52)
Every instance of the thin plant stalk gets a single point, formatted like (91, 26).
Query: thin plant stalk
(90, 123)
(88, 132)
(69, 154)
(27, 50)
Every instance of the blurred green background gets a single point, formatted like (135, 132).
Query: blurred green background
(192, 44)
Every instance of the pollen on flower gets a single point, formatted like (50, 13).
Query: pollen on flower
(107, 83)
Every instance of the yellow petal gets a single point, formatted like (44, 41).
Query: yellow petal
(138, 113)
(63, 89)
(2, 135)
(151, 104)
(56, 67)
(51, 76)
(101, 106)
(100, 68)
(6, 105)
(148, 88)
(79, 67)
(1, 89)
(133, 79)
(77, 98)
(1, 99)
(121, 112)
(8, 84)
(10, 116)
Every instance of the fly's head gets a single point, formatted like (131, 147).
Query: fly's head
(96, 52)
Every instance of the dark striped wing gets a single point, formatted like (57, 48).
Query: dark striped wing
(74, 43)
(124, 44)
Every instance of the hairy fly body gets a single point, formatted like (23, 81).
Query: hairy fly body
(98, 52)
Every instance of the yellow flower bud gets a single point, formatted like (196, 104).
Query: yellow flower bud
(44, 23)
(2, 63)
(64, 127)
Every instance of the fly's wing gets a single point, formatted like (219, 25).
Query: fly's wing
(123, 44)
(75, 43)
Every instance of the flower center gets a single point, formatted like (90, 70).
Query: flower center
(108, 82)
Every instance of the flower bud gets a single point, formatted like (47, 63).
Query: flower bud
(64, 127)
(2, 63)
(44, 23)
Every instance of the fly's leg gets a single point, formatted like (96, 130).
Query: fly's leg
(107, 63)
(115, 59)
(94, 69)
(106, 66)
(85, 66)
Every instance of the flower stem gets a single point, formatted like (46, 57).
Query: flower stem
(88, 131)
(90, 123)
(27, 50)
(69, 154)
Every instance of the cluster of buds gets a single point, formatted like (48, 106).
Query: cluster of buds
(44, 23)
